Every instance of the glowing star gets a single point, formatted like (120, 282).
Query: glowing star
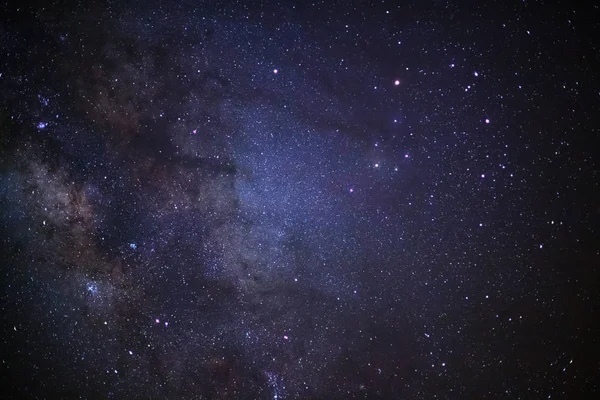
(166, 324)
(351, 190)
(285, 337)
(275, 71)
(92, 288)
(377, 165)
(194, 132)
(396, 82)
(42, 125)
(487, 121)
(157, 321)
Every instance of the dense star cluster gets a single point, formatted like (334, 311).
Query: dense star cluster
(299, 200)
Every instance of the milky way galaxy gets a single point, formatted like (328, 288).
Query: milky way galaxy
(300, 200)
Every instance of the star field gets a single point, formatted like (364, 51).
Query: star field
(290, 200)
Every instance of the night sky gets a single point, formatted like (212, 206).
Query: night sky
(300, 200)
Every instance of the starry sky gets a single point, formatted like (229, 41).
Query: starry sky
(299, 200)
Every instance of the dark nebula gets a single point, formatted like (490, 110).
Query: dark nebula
(300, 200)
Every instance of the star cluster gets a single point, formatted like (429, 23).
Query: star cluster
(299, 200)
